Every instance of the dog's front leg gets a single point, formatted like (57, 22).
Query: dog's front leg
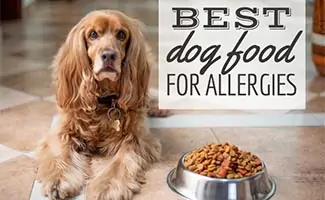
(124, 173)
(62, 171)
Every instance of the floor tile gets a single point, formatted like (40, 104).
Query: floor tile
(289, 151)
(30, 154)
(322, 94)
(17, 178)
(316, 84)
(293, 156)
(37, 83)
(41, 52)
(156, 186)
(17, 44)
(10, 98)
(8, 153)
(315, 105)
(235, 120)
(300, 188)
(36, 193)
(34, 120)
(20, 66)
(177, 141)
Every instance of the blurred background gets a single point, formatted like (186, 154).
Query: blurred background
(31, 31)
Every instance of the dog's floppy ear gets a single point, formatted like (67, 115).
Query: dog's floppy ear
(136, 68)
(70, 67)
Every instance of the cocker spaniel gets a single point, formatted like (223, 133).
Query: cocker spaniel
(101, 76)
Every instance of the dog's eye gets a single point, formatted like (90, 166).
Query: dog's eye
(93, 35)
(121, 35)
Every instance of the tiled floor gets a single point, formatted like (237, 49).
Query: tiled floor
(290, 142)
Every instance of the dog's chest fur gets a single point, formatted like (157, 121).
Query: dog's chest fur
(96, 135)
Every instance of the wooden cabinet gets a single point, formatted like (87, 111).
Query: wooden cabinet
(10, 10)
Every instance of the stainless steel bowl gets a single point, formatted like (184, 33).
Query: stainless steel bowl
(192, 186)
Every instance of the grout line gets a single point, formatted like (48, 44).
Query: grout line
(28, 97)
(320, 117)
(50, 99)
(20, 104)
(31, 192)
(18, 91)
(30, 154)
(322, 94)
(8, 153)
(215, 135)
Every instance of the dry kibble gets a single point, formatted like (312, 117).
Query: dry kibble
(204, 173)
(242, 171)
(248, 174)
(210, 174)
(230, 176)
(258, 162)
(207, 162)
(223, 172)
(225, 155)
(192, 167)
(200, 166)
(232, 153)
(227, 149)
(220, 157)
(248, 167)
(223, 161)
(244, 163)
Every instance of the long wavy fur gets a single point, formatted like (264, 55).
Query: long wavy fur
(84, 128)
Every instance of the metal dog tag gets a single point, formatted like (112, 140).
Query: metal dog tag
(116, 125)
(114, 114)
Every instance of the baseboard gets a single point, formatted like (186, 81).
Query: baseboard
(27, 3)
(28, 6)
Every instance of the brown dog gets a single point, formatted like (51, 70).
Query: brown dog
(101, 76)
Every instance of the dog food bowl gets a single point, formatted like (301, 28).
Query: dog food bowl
(193, 186)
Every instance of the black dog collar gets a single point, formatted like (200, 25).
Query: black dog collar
(107, 100)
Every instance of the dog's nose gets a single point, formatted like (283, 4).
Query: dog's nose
(109, 56)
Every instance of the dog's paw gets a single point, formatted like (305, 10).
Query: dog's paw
(114, 189)
(60, 189)
(155, 112)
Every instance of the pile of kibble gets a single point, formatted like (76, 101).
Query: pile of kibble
(223, 161)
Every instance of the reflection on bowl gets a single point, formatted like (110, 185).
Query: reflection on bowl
(193, 186)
